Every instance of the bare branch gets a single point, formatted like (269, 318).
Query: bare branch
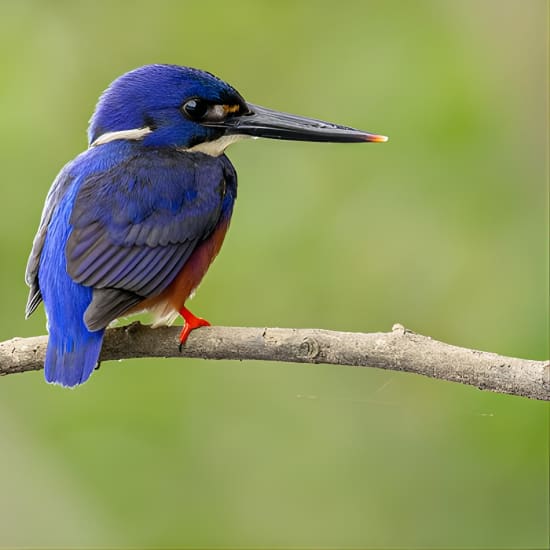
(400, 350)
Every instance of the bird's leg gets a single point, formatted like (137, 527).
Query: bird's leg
(191, 322)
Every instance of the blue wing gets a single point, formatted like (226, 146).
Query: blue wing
(135, 225)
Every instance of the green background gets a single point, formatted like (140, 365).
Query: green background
(443, 229)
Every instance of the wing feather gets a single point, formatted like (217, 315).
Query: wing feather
(56, 192)
(135, 226)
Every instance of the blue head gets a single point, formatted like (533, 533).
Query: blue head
(173, 106)
(169, 101)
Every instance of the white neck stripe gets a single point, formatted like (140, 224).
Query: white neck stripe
(134, 134)
(216, 147)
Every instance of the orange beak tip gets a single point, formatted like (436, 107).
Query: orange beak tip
(374, 138)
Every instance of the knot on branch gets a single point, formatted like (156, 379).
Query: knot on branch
(309, 348)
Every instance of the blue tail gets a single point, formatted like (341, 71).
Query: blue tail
(73, 350)
(71, 358)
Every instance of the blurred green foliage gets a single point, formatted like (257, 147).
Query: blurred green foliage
(444, 229)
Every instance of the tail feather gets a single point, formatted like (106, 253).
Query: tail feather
(73, 350)
(70, 361)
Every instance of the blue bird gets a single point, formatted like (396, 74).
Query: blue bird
(133, 223)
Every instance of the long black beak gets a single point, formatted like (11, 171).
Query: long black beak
(263, 122)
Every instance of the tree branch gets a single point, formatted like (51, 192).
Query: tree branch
(400, 349)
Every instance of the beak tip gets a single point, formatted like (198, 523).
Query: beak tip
(376, 138)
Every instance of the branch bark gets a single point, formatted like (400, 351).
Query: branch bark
(399, 350)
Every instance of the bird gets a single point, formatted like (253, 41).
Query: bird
(133, 223)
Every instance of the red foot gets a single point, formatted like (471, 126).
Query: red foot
(191, 323)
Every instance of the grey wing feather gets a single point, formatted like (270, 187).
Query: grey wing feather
(108, 304)
(134, 228)
(58, 189)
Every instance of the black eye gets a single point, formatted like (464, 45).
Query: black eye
(195, 109)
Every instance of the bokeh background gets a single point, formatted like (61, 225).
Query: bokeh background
(443, 229)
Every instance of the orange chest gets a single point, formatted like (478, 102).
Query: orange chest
(195, 268)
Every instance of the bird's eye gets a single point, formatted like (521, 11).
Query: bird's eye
(200, 110)
(195, 109)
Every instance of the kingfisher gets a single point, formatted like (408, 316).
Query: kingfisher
(133, 223)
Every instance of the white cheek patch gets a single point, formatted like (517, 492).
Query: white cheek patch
(216, 112)
(134, 134)
(216, 147)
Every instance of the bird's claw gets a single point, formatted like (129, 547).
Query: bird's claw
(191, 323)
